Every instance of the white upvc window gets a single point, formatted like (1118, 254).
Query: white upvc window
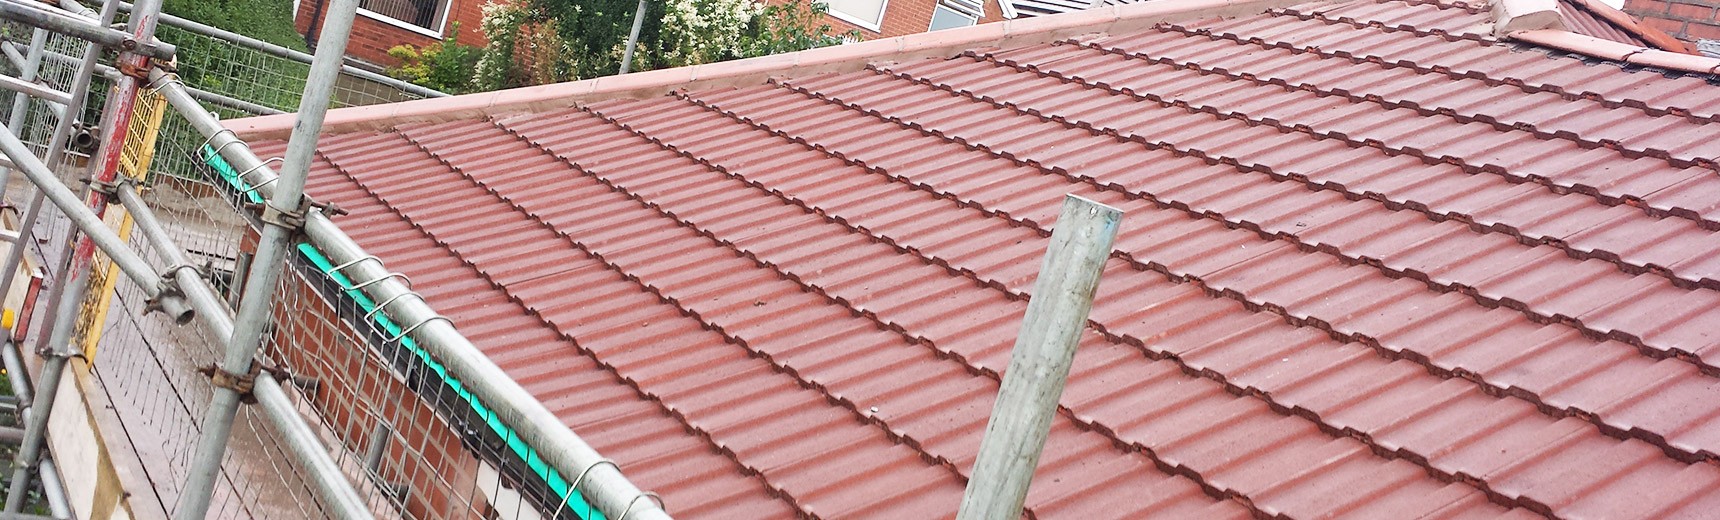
(950, 14)
(427, 17)
(865, 13)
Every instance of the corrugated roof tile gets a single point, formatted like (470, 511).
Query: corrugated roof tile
(1376, 263)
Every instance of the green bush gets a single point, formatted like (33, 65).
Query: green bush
(267, 20)
(444, 66)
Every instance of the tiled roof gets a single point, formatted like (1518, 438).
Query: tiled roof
(1375, 264)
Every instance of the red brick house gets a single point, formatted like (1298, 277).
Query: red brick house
(382, 24)
(1690, 20)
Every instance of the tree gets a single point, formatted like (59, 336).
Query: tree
(533, 42)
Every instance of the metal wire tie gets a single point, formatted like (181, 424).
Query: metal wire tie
(556, 513)
(171, 79)
(373, 281)
(211, 139)
(341, 267)
(385, 303)
(243, 174)
(629, 510)
(415, 326)
(260, 185)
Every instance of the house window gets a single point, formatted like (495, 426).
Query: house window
(419, 15)
(950, 14)
(864, 13)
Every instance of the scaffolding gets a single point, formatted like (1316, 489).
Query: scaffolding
(191, 277)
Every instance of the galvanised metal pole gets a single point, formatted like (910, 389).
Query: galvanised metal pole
(333, 488)
(604, 486)
(283, 207)
(54, 348)
(113, 74)
(46, 390)
(116, 124)
(26, 89)
(93, 228)
(633, 38)
(1039, 364)
(281, 52)
(57, 152)
(35, 15)
(21, 102)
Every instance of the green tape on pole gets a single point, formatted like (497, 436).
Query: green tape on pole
(227, 173)
(554, 479)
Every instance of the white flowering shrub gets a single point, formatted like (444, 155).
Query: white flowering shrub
(543, 41)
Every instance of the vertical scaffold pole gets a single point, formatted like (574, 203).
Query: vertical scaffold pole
(29, 450)
(283, 215)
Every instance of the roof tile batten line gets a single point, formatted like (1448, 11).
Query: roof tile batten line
(836, 218)
(1479, 295)
(1668, 144)
(687, 422)
(1568, 241)
(805, 209)
(942, 353)
(1571, 239)
(1232, 384)
(904, 181)
(665, 412)
(651, 206)
(1582, 89)
(1485, 291)
(1348, 335)
(1347, 338)
(1650, 202)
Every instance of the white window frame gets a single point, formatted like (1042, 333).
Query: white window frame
(441, 28)
(972, 20)
(883, 10)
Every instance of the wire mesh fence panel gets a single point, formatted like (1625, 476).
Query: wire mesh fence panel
(408, 439)
(247, 74)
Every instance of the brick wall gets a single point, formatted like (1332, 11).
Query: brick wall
(354, 386)
(903, 17)
(371, 38)
(1688, 20)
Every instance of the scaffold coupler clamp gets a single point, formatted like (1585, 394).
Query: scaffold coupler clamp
(165, 289)
(134, 70)
(293, 220)
(243, 384)
(108, 189)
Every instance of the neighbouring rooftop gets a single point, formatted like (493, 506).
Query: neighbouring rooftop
(1377, 262)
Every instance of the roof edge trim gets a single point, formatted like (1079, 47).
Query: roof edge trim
(841, 58)
(1615, 51)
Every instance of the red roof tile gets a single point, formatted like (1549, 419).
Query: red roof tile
(1376, 263)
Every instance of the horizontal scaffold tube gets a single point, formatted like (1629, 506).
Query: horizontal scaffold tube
(604, 485)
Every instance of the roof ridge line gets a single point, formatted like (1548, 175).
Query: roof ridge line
(1624, 54)
(1507, 229)
(1346, 337)
(679, 415)
(840, 58)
